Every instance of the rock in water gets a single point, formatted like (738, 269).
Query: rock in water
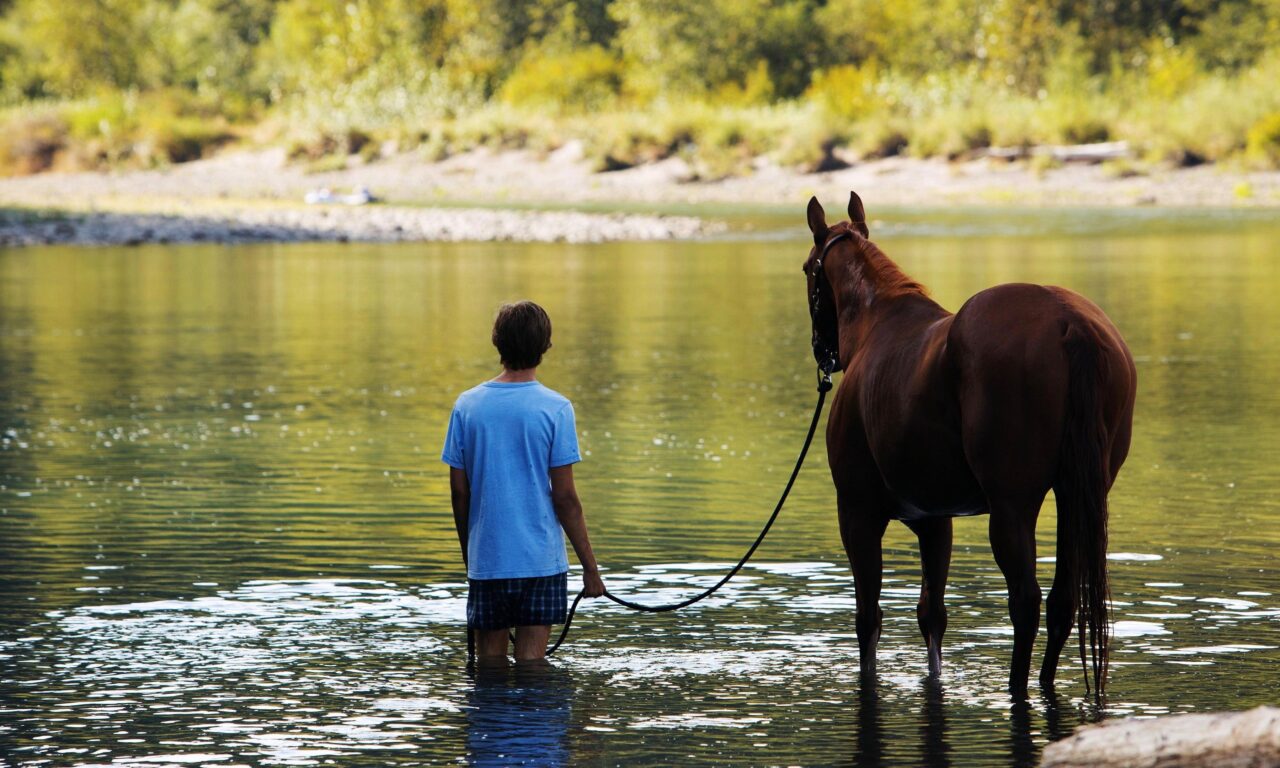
(1223, 740)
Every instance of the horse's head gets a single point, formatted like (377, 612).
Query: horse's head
(833, 247)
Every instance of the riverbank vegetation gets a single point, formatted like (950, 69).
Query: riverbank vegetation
(94, 84)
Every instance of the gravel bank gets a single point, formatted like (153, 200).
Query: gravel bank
(565, 177)
(255, 195)
(376, 223)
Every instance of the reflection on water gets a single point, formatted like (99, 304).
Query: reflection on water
(288, 672)
(225, 536)
(519, 715)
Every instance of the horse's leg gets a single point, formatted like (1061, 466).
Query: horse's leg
(1060, 608)
(935, 561)
(1011, 433)
(1012, 531)
(861, 529)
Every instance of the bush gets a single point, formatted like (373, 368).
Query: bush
(173, 139)
(579, 81)
(327, 164)
(625, 139)
(1085, 130)
(434, 145)
(1122, 169)
(810, 146)
(847, 92)
(952, 134)
(30, 143)
(502, 128)
(1171, 71)
(325, 145)
(109, 130)
(756, 88)
(1210, 122)
(1264, 140)
(156, 128)
(109, 116)
(1040, 165)
(880, 138)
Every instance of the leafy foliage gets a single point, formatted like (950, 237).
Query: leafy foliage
(880, 76)
(1264, 140)
(580, 79)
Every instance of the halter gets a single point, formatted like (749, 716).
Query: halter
(828, 359)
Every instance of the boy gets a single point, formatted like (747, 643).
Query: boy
(511, 447)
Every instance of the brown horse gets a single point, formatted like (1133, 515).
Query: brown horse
(1026, 388)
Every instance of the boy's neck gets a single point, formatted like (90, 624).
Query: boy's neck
(509, 376)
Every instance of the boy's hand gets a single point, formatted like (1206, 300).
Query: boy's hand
(592, 584)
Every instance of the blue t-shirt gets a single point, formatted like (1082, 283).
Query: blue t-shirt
(507, 436)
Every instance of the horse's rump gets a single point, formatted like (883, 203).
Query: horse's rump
(1008, 348)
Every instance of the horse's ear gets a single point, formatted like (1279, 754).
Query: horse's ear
(858, 216)
(817, 221)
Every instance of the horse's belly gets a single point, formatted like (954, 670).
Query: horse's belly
(927, 475)
(908, 512)
(916, 444)
(937, 485)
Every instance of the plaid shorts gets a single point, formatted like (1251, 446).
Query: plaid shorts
(504, 603)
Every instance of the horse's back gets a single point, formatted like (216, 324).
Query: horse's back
(1011, 348)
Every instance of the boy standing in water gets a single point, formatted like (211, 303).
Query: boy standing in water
(511, 447)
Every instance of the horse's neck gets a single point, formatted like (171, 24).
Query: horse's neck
(898, 315)
(876, 293)
(872, 278)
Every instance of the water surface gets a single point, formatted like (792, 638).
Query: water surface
(225, 536)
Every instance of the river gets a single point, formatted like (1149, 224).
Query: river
(225, 535)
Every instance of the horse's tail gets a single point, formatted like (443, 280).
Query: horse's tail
(1081, 489)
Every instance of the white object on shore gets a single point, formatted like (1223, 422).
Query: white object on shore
(361, 196)
(318, 196)
(323, 196)
(1221, 740)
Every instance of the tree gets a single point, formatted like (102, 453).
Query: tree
(205, 46)
(318, 44)
(673, 47)
(69, 47)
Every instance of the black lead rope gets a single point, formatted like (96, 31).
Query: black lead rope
(824, 386)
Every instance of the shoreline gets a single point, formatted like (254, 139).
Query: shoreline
(218, 222)
(257, 196)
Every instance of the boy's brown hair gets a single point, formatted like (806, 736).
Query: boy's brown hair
(522, 333)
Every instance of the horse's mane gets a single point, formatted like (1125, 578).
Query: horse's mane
(886, 278)
(890, 280)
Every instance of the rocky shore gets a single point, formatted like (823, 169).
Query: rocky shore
(257, 195)
(222, 224)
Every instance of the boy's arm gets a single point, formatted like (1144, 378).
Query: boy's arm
(564, 496)
(460, 496)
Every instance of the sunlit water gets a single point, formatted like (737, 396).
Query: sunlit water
(225, 536)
